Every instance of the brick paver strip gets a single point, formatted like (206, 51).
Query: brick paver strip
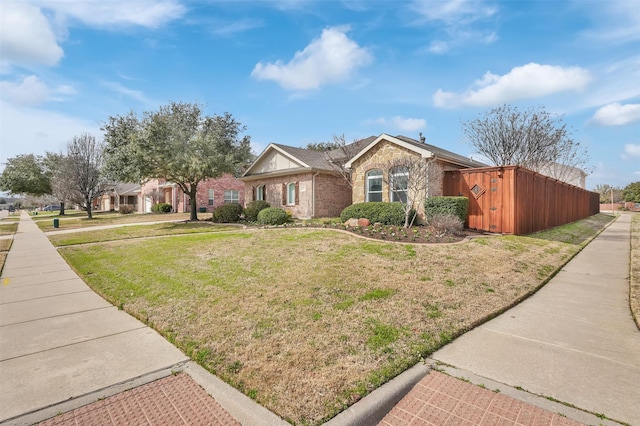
(174, 400)
(442, 400)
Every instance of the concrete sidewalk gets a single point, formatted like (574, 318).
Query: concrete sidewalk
(62, 346)
(574, 340)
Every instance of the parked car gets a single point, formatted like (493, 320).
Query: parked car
(51, 208)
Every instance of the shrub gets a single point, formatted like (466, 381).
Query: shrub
(456, 206)
(227, 213)
(272, 216)
(376, 212)
(161, 208)
(126, 209)
(253, 208)
(446, 224)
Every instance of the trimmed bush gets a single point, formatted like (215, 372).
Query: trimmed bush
(227, 213)
(376, 212)
(253, 208)
(456, 206)
(161, 208)
(446, 224)
(126, 209)
(272, 216)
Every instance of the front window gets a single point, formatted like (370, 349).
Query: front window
(399, 184)
(260, 193)
(211, 197)
(374, 185)
(291, 194)
(231, 196)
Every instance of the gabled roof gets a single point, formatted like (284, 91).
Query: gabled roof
(424, 149)
(330, 161)
(127, 189)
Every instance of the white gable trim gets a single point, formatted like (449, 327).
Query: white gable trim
(425, 153)
(275, 148)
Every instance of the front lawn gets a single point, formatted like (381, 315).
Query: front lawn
(308, 321)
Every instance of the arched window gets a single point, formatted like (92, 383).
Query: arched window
(399, 183)
(374, 185)
(291, 194)
(260, 193)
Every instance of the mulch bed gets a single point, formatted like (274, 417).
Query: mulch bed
(417, 234)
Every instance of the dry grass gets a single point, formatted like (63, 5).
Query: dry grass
(8, 228)
(634, 289)
(308, 321)
(142, 231)
(76, 221)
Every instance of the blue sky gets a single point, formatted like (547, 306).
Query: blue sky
(302, 71)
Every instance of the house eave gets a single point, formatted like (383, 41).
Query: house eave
(281, 173)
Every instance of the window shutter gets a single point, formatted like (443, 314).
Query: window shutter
(297, 193)
(264, 192)
(284, 194)
(253, 192)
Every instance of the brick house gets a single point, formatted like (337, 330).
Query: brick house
(122, 194)
(304, 182)
(211, 193)
(368, 167)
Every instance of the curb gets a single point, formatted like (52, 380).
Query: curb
(371, 409)
(241, 407)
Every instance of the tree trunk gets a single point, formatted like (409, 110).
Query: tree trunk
(89, 206)
(193, 202)
(62, 208)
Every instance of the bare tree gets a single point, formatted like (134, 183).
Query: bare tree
(85, 162)
(409, 179)
(338, 152)
(532, 138)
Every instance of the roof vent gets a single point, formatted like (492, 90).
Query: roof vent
(422, 138)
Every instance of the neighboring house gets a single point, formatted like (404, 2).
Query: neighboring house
(123, 194)
(211, 193)
(567, 174)
(304, 182)
(368, 167)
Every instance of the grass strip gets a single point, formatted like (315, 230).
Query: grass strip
(142, 231)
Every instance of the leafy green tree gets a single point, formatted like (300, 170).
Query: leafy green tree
(631, 192)
(25, 174)
(177, 143)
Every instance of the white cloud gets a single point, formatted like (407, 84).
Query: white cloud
(524, 82)
(26, 38)
(329, 59)
(400, 123)
(458, 12)
(32, 130)
(30, 91)
(614, 20)
(100, 13)
(33, 91)
(230, 29)
(632, 150)
(616, 114)
(131, 93)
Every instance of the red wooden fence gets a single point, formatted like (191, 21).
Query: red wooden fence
(515, 200)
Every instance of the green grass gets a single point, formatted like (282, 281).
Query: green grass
(137, 231)
(290, 315)
(77, 220)
(8, 228)
(578, 232)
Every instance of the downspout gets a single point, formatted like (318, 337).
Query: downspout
(313, 193)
